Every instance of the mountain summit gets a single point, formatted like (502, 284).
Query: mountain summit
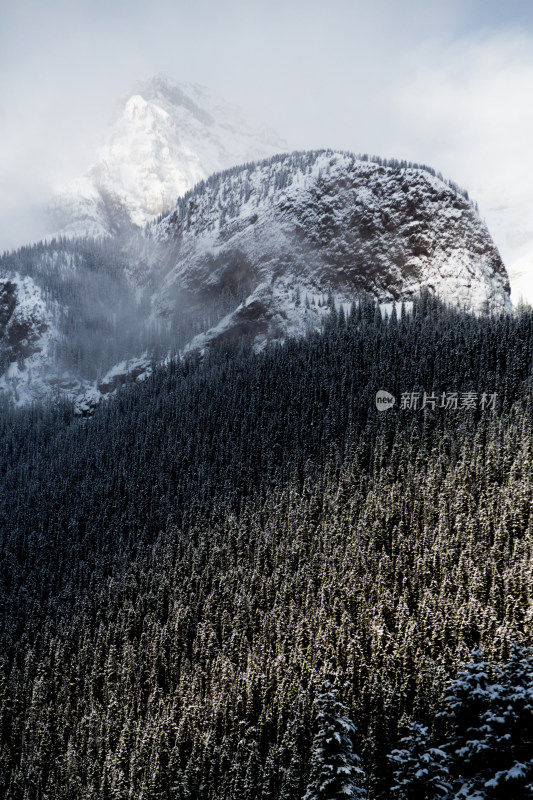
(261, 252)
(168, 137)
(305, 225)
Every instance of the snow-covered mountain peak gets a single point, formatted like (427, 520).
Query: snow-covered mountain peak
(328, 221)
(137, 109)
(167, 137)
(257, 253)
(162, 91)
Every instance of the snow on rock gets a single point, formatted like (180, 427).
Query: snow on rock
(326, 222)
(129, 371)
(168, 137)
(257, 253)
(25, 320)
(28, 338)
(29, 334)
(267, 315)
(132, 370)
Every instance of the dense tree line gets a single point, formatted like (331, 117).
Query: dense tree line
(181, 573)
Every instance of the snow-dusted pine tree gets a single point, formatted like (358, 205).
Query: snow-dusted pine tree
(466, 703)
(509, 727)
(335, 771)
(420, 770)
(490, 718)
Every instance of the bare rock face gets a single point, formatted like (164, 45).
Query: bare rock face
(8, 302)
(23, 320)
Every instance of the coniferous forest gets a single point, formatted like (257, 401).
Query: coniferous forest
(239, 580)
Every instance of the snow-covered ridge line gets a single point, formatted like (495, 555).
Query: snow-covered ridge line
(248, 255)
(182, 203)
(334, 222)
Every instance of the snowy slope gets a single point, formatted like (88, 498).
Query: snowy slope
(297, 227)
(257, 253)
(168, 137)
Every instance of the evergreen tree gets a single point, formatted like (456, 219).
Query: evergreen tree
(509, 727)
(488, 754)
(490, 714)
(420, 771)
(335, 771)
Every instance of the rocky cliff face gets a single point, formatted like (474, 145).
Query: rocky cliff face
(301, 226)
(25, 322)
(259, 252)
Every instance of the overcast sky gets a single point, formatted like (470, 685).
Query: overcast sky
(447, 83)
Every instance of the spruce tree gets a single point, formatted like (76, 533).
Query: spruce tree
(335, 771)
(490, 712)
(420, 770)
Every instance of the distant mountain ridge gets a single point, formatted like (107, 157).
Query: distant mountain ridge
(168, 137)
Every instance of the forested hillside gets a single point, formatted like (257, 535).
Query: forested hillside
(242, 551)
(96, 316)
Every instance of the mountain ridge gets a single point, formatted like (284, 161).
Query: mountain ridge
(337, 222)
(261, 253)
(167, 137)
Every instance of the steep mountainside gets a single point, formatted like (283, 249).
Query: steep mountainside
(286, 231)
(260, 252)
(168, 137)
(180, 574)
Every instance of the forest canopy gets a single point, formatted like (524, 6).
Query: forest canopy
(185, 574)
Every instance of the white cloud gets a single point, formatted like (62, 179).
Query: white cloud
(466, 110)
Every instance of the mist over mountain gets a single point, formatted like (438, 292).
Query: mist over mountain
(167, 137)
(260, 253)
